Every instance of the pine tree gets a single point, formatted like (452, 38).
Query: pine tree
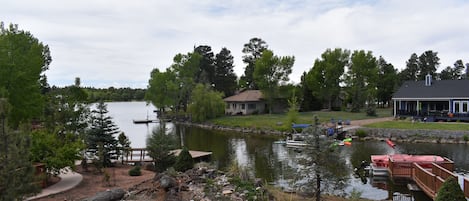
(101, 135)
(16, 170)
(450, 190)
(159, 147)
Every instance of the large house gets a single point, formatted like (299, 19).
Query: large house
(246, 102)
(433, 100)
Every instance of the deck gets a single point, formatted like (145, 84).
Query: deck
(141, 155)
(429, 177)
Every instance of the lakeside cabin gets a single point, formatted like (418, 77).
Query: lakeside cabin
(433, 100)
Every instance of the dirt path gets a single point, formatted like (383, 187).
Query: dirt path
(369, 121)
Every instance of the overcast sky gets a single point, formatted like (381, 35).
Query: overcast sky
(117, 43)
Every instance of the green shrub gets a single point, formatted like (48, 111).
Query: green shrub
(465, 138)
(184, 161)
(361, 133)
(135, 171)
(450, 190)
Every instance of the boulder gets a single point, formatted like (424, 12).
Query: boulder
(109, 195)
(167, 182)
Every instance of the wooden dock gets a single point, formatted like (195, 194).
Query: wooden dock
(141, 155)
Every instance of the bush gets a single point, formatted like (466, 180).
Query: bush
(135, 171)
(184, 161)
(465, 138)
(450, 190)
(361, 133)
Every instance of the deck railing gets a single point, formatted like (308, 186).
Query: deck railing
(430, 182)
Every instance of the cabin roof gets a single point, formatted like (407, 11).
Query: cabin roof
(246, 96)
(438, 89)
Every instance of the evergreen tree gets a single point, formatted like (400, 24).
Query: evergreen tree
(184, 161)
(206, 72)
(428, 64)
(411, 71)
(124, 145)
(450, 191)
(159, 147)
(225, 79)
(253, 51)
(16, 170)
(455, 73)
(101, 133)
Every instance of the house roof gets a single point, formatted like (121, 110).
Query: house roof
(245, 96)
(439, 89)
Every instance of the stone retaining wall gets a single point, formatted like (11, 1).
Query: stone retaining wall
(432, 136)
(400, 135)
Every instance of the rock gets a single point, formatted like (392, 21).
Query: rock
(227, 192)
(167, 182)
(109, 195)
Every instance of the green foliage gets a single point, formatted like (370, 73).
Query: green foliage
(100, 136)
(325, 77)
(361, 133)
(135, 171)
(124, 145)
(184, 161)
(115, 94)
(450, 190)
(361, 79)
(465, 137)
(225, 79)
(159, 147)
(387, 82)
(253, 51)
(206, 103)
(23, 61)
(16, 170)
(292, 115)
(162, 89)
(54, 151)
(269, 72)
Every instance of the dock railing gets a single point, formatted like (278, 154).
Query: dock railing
(466, 187)
(430, 181)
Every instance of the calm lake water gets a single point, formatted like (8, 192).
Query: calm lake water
(276, 163)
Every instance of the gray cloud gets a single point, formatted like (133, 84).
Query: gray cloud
(118, 43)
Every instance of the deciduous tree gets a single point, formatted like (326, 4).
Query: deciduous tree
(23, 61)
(270, 71)
(387, 81)
(162, 90)
(206, 103)
(361, 79)
(325, 76)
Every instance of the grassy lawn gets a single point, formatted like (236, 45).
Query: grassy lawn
(278, 121)
(403, 124)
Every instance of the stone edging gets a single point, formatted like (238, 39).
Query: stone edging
(400, 135)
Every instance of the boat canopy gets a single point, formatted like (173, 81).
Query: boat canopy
(300, 125)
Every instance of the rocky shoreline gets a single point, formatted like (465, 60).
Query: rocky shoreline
(377, 134)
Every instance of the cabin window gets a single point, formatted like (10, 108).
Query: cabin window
(464, 107)
(243, 106)
(233, 106)
(252, 106)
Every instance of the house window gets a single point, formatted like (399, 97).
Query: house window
(464, 107)
(243, 106)
(456, 107)
(252, 106)
(233, 106)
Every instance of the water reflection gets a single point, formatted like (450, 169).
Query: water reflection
(278, 164)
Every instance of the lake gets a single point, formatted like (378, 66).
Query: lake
(277, 163)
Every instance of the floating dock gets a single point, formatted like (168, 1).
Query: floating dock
(141, 155)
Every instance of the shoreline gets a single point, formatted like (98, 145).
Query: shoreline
(372, 134)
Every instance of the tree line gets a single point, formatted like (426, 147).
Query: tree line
(109, 94)
(340, 79)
